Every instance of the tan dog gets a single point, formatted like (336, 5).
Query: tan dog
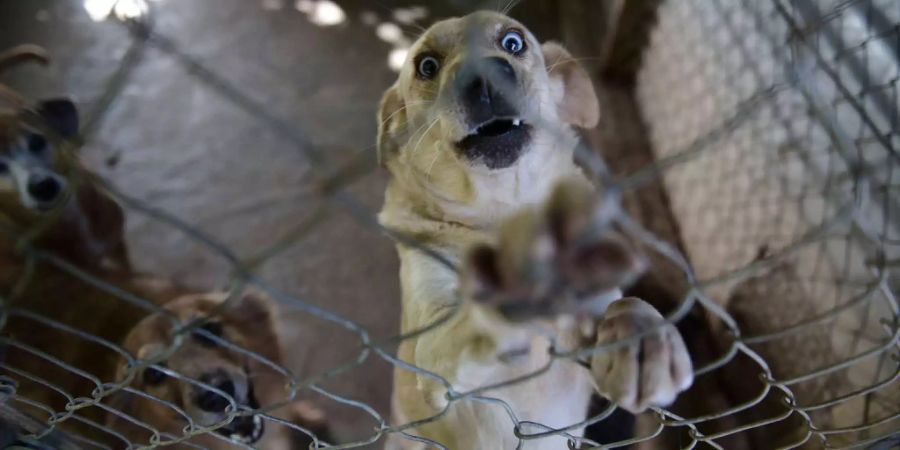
(205, 357)
(478, 129)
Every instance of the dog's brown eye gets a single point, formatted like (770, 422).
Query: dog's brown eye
(427, 66)
(210, 329)
(513, 42)
(153, 376)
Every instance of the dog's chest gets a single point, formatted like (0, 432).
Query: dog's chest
(556, 396)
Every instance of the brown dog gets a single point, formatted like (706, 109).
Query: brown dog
(42, 187)
(213, 375)
(47, 204)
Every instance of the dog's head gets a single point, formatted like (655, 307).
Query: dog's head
(39, 180)
(225, 373)
(477, 97)
(31, 169)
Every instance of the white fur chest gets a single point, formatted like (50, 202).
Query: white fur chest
(549, 393)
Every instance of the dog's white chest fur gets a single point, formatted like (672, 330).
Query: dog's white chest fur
(557, 397)
(486, 351)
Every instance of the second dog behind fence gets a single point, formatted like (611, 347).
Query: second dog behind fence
(204, 376)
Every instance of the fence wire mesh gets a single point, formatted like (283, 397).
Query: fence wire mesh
(775, 127)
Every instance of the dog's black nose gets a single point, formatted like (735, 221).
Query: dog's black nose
(484, 86)
(44, 188)
(212, 401)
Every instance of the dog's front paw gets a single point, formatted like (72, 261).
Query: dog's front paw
(546, 261)
(649, 371)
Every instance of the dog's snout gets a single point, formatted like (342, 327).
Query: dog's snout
(484, 86)
(212, 401)
(44, 188)
(503, 68)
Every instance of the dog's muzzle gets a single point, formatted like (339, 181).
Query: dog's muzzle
(497, 135)
(244, 429)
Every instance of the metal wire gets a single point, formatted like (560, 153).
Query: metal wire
(775, 127)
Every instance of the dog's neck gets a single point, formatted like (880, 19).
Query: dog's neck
(427, 214)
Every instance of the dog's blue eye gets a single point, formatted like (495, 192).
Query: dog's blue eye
(513, 42)
(427, 66)
(36, 143)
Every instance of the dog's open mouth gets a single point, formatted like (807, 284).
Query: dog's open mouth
(244, 429)
(497, 142)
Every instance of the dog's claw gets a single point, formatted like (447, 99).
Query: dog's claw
(650, 371)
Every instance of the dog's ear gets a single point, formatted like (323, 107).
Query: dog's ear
(572, 88)
(61, 115)
(256, 311)
(254, 306)
(391, 119)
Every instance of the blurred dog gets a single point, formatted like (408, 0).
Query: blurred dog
(48, 203)
(38, 181)
(477, 134)
(225, 373)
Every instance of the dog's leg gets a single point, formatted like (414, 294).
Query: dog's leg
(640, 372)
(551, 262)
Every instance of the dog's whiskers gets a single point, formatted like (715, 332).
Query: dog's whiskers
(388, 118)
(567, 60)
(414, 133)
(509, 6)
(437, 152)
(425, 133)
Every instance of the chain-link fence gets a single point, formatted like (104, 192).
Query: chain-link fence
(776, 131)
